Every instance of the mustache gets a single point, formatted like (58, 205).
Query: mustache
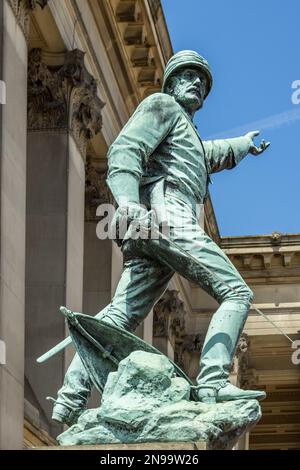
(195, 88)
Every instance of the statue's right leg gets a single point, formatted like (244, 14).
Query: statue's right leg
(75, 392)
(142, 283)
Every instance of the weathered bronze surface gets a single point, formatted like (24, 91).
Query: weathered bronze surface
(160, 160)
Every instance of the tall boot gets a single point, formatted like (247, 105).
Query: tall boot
(218, 351)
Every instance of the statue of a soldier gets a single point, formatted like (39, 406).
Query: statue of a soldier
(160, 152)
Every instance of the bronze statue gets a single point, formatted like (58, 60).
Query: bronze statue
(159, 156)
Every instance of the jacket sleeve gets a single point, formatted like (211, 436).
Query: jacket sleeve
(129, 153)
(225, 154)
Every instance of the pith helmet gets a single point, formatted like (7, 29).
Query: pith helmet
(187, 59)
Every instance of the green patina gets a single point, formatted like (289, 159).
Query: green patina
(159, 156)
(144, 402)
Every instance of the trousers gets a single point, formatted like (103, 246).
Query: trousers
(148, 268)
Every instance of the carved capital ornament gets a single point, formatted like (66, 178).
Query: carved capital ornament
(63, 97)
(22, 9)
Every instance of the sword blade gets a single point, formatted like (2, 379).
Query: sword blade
(55, 350)
(63, 344)
(272, 323)
(195, 260)
(67, 341)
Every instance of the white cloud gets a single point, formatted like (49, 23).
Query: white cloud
(272, 122)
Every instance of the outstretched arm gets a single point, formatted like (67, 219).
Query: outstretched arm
(227, 153)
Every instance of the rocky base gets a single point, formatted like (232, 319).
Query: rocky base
(144, 402)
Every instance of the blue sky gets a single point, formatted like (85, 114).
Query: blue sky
(253, 48)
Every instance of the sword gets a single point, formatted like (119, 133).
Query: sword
(67, 341)
(195, 260)
(162, 236)
(55, 350)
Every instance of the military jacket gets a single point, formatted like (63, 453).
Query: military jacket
(161, 141)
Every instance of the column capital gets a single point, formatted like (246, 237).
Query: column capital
(63, 96)
(187, 353)
(22, 9)
(242, 361)
(243, 346)
(96, 190)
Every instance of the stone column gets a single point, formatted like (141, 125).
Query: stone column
(97, 252)
(168, 322)
(187, 354)
(64, 112)
(148, 328)
(14, 30)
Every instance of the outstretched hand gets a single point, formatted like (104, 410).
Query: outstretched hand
(257, 150)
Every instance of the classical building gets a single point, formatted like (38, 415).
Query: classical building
(74, 71)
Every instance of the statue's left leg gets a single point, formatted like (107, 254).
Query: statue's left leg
(195, 256)
(213, 272)
(221, 280)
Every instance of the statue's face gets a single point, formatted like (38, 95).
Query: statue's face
(188, 87)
